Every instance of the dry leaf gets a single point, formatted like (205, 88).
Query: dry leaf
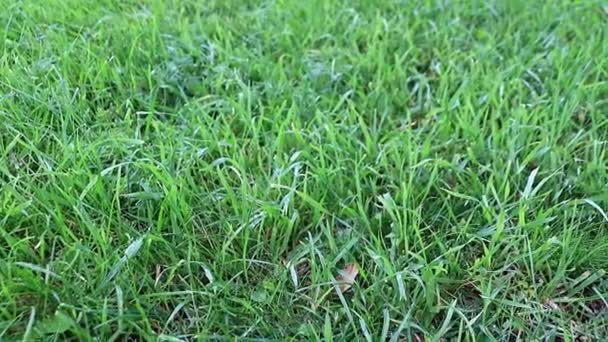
(347, 277)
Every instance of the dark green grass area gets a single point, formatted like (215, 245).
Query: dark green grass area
(194, 170)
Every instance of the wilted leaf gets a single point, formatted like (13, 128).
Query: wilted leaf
(347, 277)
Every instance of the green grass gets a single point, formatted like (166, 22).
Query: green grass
(193, 170)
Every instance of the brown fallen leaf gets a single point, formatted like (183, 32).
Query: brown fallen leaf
(346, 278)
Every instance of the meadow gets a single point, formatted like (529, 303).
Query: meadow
(389, 170)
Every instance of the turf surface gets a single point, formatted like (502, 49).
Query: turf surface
(185, 169)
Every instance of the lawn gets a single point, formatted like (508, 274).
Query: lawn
(181, 170)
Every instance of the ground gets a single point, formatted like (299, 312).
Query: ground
(185, 169)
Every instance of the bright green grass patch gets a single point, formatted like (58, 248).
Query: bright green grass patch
(186, 169)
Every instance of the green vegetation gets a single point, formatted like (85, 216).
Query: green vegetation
(185, 169)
